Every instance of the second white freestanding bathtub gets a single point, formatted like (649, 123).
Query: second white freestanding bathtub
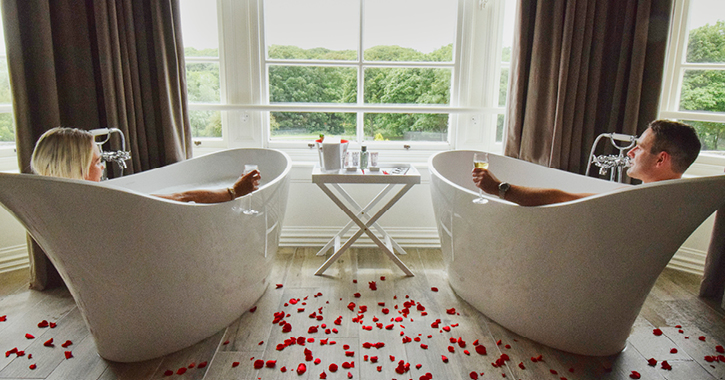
(149, 275)
(573, 275)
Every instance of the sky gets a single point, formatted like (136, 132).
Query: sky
(200, 16)
(421, 24)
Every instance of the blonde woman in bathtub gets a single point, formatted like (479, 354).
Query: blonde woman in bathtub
(72, 153)
(664, 151)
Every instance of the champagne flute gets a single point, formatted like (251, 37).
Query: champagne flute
(248, 203)
(480, 160)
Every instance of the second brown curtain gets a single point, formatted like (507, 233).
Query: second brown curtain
(581, 68)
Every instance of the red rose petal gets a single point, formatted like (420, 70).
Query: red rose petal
(521, 365)
(333, 367)
(33, 366)
(652, 362)
(379, 368)
(29, 336)
(252, 310)
(434, 289)
(418, 366)
(451, 311)
(68, 354)
(259, 363)
(43, 323)
(349, 375)
(181, 371)
(635, 375)
(720, 349)
(3, 318)
(48, 343)
(666, 365)
(424, 346)
(657, 332)
(481, 350)
(318, 361)
(279, 286)
(444, 358)
(473, 375)
(201, 365)
(235, 364)
(167, 373)
(702, 338)
(673, 351)
(52, 325)
(66, 344)
(302, 368)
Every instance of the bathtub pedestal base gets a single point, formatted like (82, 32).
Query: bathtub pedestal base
(361, 216)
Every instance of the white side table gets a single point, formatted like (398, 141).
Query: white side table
(390, 175)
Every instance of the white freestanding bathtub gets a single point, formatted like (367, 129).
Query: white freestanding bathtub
(574, 275)
(151, 276)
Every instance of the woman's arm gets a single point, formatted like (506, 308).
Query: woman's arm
(244, 185)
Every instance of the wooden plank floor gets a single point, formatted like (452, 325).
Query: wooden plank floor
(334, 303)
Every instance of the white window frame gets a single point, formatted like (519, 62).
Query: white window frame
(474, 105)
(675, 67)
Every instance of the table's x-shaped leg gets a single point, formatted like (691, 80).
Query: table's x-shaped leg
(364, 215)
(364, 225)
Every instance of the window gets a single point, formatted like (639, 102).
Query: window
(363, 53)
(203, 71)
(385, 73)
(7, 124)
(694, 88)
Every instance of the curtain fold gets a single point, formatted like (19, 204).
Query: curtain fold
(713, 280)
(581, 68)
(98, 64)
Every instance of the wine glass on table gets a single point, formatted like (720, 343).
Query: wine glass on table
(248, 203)
(480, 160)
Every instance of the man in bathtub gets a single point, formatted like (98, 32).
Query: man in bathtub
(664, 151)
(72, 153)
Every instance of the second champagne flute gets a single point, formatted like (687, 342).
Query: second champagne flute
(480, 160)
(248, 203)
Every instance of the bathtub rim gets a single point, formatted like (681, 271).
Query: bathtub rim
(110, 185)
(625, 187)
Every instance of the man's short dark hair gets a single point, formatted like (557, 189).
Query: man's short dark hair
(678, 139)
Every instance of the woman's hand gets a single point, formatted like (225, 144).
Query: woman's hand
(247, 183)
(485, 180)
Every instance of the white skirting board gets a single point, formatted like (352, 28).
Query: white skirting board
(686, 259)
(14, 258)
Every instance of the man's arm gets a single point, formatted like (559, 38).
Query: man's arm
(524, 196)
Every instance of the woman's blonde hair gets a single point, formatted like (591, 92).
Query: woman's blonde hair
(63, 152)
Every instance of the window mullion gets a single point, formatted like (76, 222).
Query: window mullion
(360, 116)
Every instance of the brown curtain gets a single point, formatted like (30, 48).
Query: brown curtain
(98, 64)
(713, 280)
(581, 68)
